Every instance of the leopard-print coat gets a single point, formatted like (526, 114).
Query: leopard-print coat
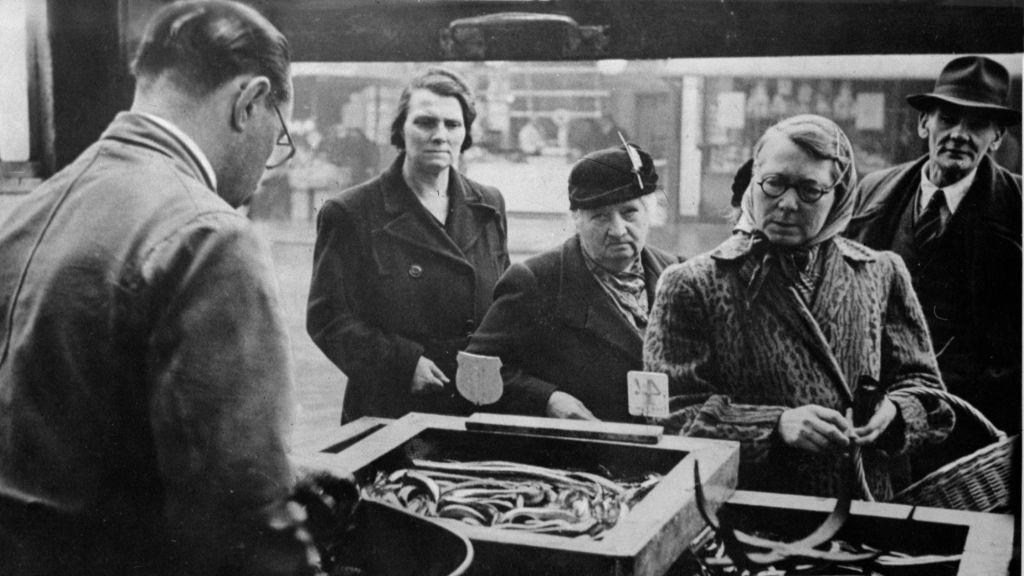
(738, 355)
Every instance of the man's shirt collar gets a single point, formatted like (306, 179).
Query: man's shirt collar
(954, 193)
(190, 144)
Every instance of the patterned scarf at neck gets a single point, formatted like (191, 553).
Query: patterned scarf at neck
(799, 266)
(627, 289)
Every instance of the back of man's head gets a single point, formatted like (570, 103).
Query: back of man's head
(201, 44)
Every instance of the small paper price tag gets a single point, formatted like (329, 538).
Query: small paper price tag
(648, 393)
(479, 378)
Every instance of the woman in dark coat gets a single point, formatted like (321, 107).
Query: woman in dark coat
(768, 338)
(405, 264)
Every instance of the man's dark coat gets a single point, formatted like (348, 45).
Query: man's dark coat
(983, 362)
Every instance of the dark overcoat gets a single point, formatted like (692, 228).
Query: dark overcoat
(391, 284)
(983, 361)
(555, 328)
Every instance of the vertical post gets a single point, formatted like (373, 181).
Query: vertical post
(90, 76)
(690, 155)
(14, 67)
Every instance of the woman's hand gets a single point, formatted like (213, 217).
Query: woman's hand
(562, 405)
(815, 429)
(881, 419)
(427, 378)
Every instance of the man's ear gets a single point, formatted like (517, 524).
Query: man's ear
(922, 121)
(1000, 133)
(254, 92)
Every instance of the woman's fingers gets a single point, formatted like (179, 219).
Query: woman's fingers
(427, 377)
(837, 420)
(814, 428)
(438, 374)
(814, 441)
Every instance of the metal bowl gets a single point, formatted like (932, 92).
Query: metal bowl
(388, 541)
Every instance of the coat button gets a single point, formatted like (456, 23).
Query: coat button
(415, 271)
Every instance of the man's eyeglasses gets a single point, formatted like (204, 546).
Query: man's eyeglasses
(280, 156)
(775, 185)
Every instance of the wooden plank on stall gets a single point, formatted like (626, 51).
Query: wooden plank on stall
(561, 428)
(335, 440)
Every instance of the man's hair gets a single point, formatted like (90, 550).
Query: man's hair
(820, 138)
(204, 43)
(442, 82)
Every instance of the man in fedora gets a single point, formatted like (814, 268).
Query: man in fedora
(954, 216)
(568, 324)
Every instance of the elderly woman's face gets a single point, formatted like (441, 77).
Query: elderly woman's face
(787, 220)
(614, 235)
(434, 131)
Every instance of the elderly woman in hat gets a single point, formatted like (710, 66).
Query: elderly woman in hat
(405, 264)
(771, 337)
(568, 324)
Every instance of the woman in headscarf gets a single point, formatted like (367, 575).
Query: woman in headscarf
(768, 338)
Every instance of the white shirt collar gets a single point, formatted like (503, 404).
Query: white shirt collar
(954, 193)
(190, 144)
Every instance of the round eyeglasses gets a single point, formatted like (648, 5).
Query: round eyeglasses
(775, 185)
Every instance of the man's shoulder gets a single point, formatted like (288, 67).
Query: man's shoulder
(1006, 181)
(886, 176)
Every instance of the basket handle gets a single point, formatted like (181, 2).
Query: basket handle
(954, 401)
(957, 402)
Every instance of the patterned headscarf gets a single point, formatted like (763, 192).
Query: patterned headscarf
(820, 138)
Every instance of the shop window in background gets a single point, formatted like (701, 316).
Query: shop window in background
(738, 110)
(534, 120)
(698, 118)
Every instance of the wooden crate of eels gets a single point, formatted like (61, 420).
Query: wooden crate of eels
(534, 504)
(906, 540)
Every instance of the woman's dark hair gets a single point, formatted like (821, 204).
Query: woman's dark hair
(205, 43)
(442, 82)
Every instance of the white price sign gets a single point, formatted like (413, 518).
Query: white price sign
(648, 393)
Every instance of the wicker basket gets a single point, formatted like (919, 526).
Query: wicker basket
(981, 481)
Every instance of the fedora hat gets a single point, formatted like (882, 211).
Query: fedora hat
(971, 82)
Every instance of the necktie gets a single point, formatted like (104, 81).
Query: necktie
(929, 223)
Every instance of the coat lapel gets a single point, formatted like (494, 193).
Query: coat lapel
(835, 288)
(409, 222)
(469, 215)
(783, 301)
(653, 268)
(878, 215)
(584, 304)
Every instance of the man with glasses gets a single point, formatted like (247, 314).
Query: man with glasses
(954, 216)
(145, 375)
